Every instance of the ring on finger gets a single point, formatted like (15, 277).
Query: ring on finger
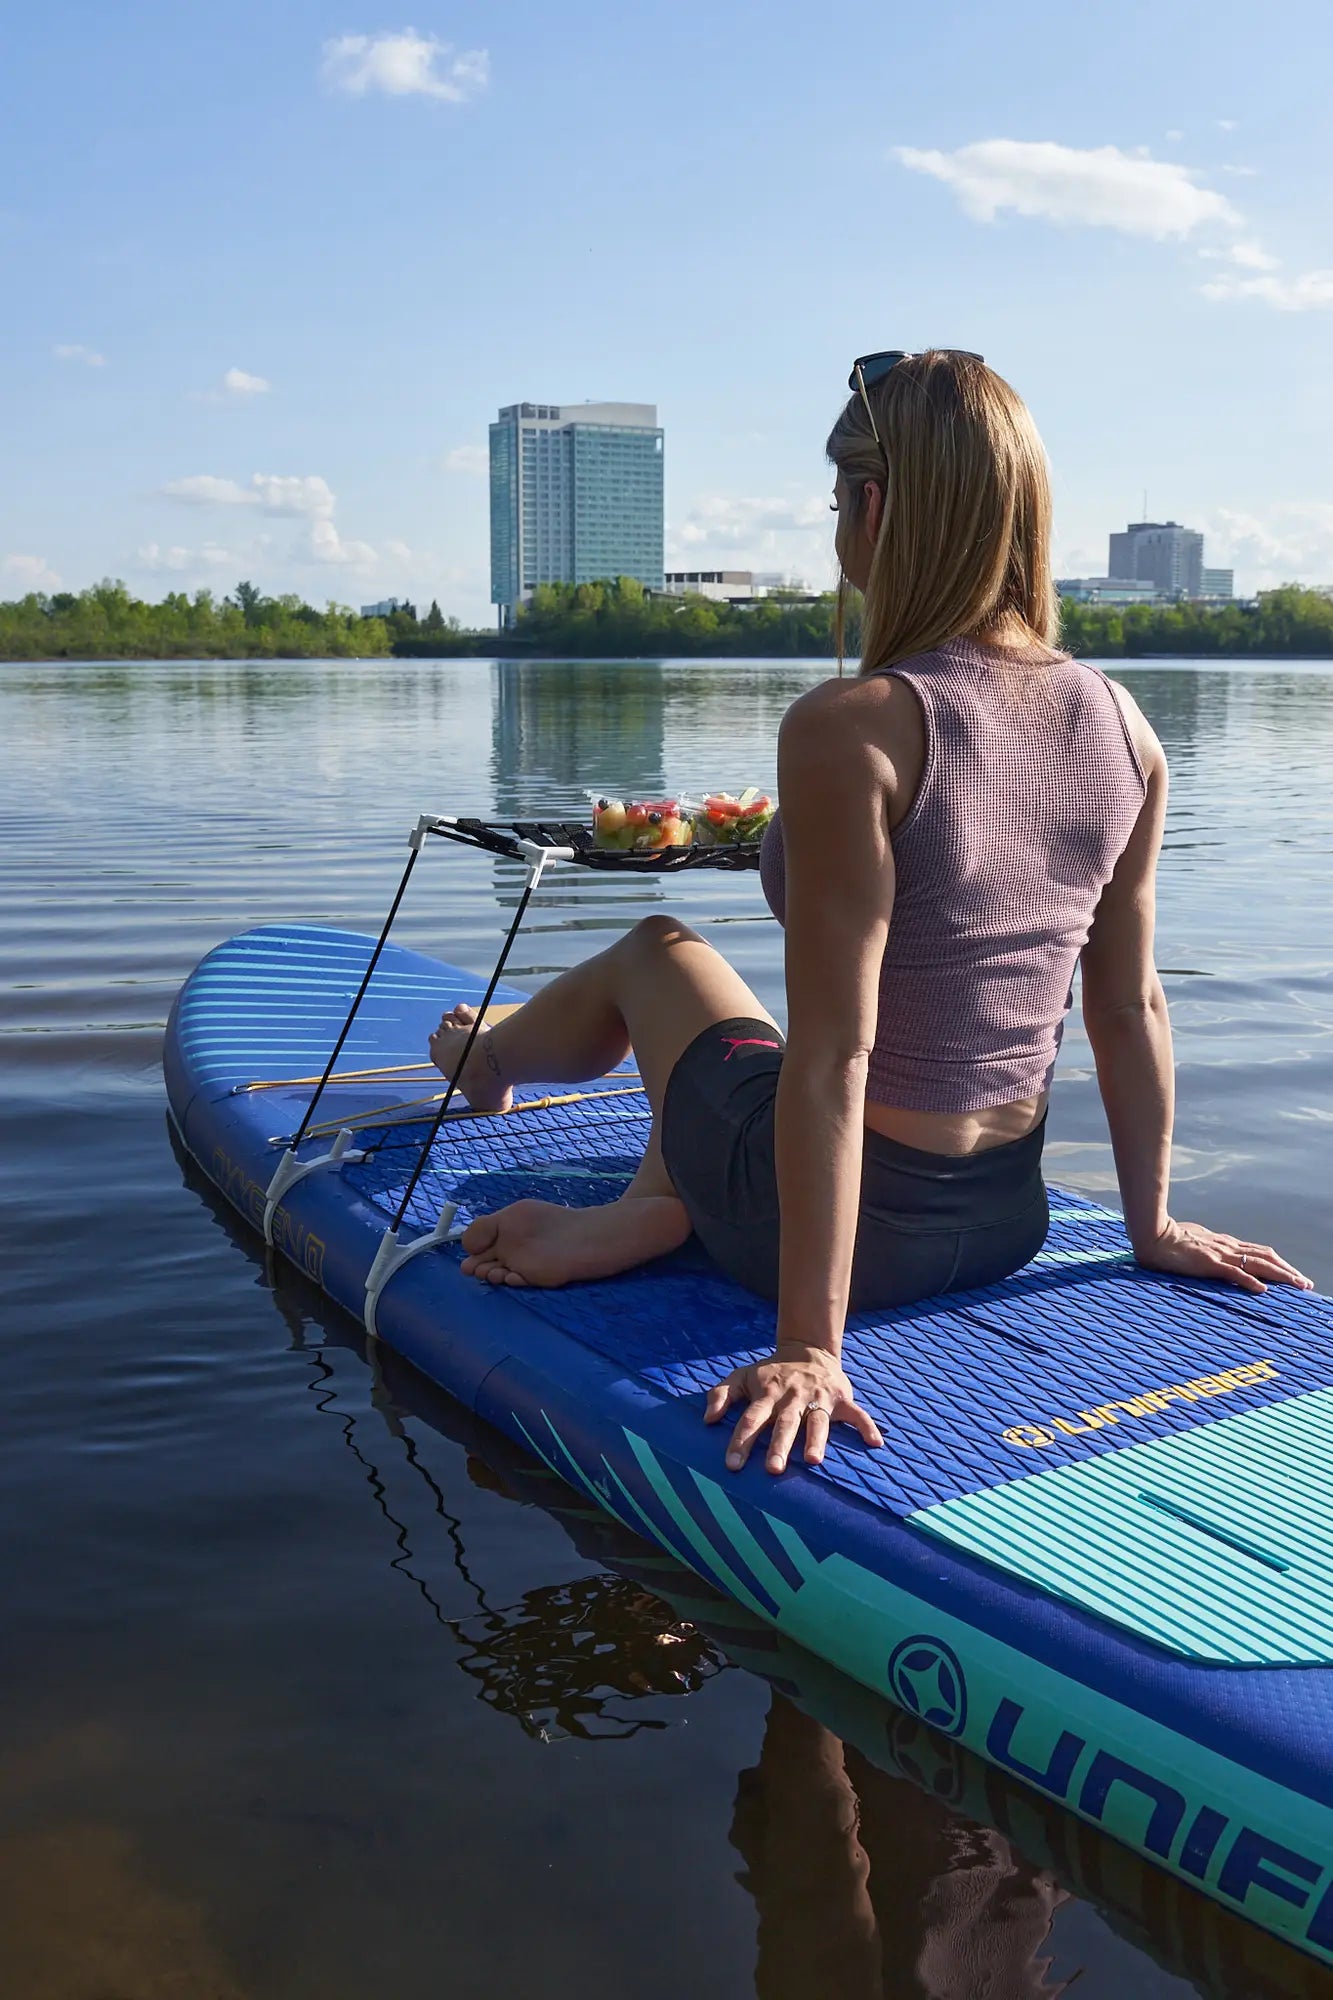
(1242, 1263)
(817, 1409)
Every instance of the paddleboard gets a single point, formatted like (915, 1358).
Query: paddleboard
(1097, 1547)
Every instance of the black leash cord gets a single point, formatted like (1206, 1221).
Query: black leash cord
(360, 996)
(468, 1046)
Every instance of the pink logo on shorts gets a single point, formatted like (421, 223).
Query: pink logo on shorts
(752, 1042)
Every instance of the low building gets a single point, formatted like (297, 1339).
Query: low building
(719, 584)
(1219, 585)
(384, 609)
(1120, 590)
(733, 586)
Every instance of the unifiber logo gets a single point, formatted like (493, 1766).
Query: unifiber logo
(1067, 1767)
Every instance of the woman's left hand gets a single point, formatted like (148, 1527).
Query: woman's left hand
(800, 1386)
(1193, 1251)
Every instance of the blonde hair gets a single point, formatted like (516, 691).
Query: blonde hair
(964, 542)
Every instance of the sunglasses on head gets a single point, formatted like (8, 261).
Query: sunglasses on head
(868, 369)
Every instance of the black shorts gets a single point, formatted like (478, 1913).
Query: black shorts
(929, 1222)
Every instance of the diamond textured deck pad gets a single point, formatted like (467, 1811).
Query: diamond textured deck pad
(1080, 1354)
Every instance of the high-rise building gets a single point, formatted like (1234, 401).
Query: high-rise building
(576, 496)
(1160, 552)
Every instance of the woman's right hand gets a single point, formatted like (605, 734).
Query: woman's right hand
(1190, 1251)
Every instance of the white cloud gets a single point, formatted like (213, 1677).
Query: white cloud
(328, 546)
(302, 494)
(295, 496)
(720, 521)
(30, 573)
(73, 350)
(1252, 257)
(405, 64)
(785, 534)
(175, 558)
(237, 383)
(1289, 543)
(1309, 291)
(1104, 187)
(236, 386)
(1226, 124)
(1098, 185)
(203, 489)
(473, 459)
(1174, 135)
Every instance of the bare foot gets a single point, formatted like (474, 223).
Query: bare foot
(481, 1082)
(540, 1243)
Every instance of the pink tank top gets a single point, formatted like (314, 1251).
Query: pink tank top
(1029, 792)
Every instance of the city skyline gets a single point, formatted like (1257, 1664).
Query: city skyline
(257, 328)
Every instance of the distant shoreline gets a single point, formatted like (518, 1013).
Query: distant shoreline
(495, 657)
(605, 621)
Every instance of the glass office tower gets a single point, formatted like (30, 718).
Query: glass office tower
(576, 496)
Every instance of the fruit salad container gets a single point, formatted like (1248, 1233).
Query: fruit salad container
(642, 826)
(724, 821)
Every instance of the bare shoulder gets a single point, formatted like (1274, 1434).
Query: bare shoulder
(1141, 732)
(872, 719)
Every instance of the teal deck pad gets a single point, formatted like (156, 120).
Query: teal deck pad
(1216, 1542)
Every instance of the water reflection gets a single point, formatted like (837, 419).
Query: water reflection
(542, 743)
(239, 1623)
(885, 1862)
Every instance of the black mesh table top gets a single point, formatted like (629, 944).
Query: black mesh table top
(505, 837)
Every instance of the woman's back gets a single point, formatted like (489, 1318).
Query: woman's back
(1029, 789)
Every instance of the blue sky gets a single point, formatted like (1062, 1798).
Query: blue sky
(269, 271)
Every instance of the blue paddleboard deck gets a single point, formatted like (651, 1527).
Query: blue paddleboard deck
(1098, 1544)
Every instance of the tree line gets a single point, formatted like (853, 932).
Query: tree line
(107, 623)
(615, 620)
(1290, 623)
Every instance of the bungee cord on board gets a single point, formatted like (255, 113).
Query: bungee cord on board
(539, 844)
(379, 1117)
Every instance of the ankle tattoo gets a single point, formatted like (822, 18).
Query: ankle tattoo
(492, 1061)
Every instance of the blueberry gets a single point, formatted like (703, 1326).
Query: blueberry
(654, 819)
(602, 805)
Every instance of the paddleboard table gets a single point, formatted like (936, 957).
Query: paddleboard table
(1097, 1546)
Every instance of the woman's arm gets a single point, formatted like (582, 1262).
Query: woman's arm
(835, 788)
(840, 889)
(1125, 1013)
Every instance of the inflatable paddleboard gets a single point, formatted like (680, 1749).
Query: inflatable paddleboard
(1097, 1547)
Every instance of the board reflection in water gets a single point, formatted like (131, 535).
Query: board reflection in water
(885, 1862)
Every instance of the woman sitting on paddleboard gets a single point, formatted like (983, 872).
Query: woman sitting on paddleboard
(961, 823)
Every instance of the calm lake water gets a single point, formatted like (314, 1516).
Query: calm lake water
(310, 1690)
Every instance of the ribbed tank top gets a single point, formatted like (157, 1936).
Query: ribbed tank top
(1029, 792)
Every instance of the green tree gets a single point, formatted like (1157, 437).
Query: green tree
(249, 597)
